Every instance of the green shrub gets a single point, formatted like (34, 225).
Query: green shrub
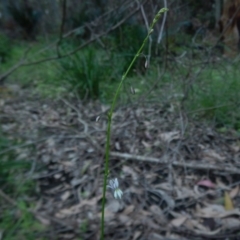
(85, 71)
(15, 219)
(126, 42)
(5, 49)
(216, 96)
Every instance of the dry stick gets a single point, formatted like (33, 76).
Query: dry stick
(150, 38)
(193, 165)
(162, 26)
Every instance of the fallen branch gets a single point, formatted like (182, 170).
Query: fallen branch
(193, 164)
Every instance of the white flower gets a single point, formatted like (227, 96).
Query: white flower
(114, 185)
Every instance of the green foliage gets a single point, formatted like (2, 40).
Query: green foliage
(126, 41)
(19, 223)
(5, 49)
(84, 72)
(216, 96)
(15, 219)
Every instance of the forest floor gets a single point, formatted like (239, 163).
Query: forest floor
(180, 179)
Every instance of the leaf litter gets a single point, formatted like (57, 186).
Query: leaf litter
(177, 184)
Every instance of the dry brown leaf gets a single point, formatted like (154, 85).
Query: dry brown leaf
(114, 206)
(188, 224)
(136, 235)
(129, 209)
(177, 222)
(192, 225)
(184, 192)
(155, 236)
(165, 196)
(235, 147)
(170, 136)
(216, 211)
(129, 171)
(207, 233)
(125, 220)
(145, 144)
(196, 191)
(175, 214)
(135, 190)
(108, 215)
(164, 186)
(211, 154)
(221, 185)
(43, 220)
(117, 146)
(234, 212)
(75, 209)
(65, 195)
(86, 165)
(230, 223)
(158, 214)
(148, 135)
(150, 223)
(234, 192)
(211, 211)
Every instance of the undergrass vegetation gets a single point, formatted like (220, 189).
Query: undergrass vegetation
(94, 73)
(84, 71)
(215, 96)
(5, 49)
(16, 200)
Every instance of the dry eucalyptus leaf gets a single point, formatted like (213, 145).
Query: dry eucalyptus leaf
(177, 222)
(136, 235)
(234, 192)
(230, 223)
(65, 195)
(170, 136)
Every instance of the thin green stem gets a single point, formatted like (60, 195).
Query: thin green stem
(110, 113)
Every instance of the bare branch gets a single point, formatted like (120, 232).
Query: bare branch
(163, 23)
(150, 37)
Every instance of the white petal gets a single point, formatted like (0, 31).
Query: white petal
(118, 193)
(116, 184)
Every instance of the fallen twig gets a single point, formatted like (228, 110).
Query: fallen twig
(194, 164)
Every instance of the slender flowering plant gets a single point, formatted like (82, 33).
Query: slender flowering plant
(113, 184)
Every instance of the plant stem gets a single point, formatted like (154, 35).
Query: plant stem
(106, 167)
